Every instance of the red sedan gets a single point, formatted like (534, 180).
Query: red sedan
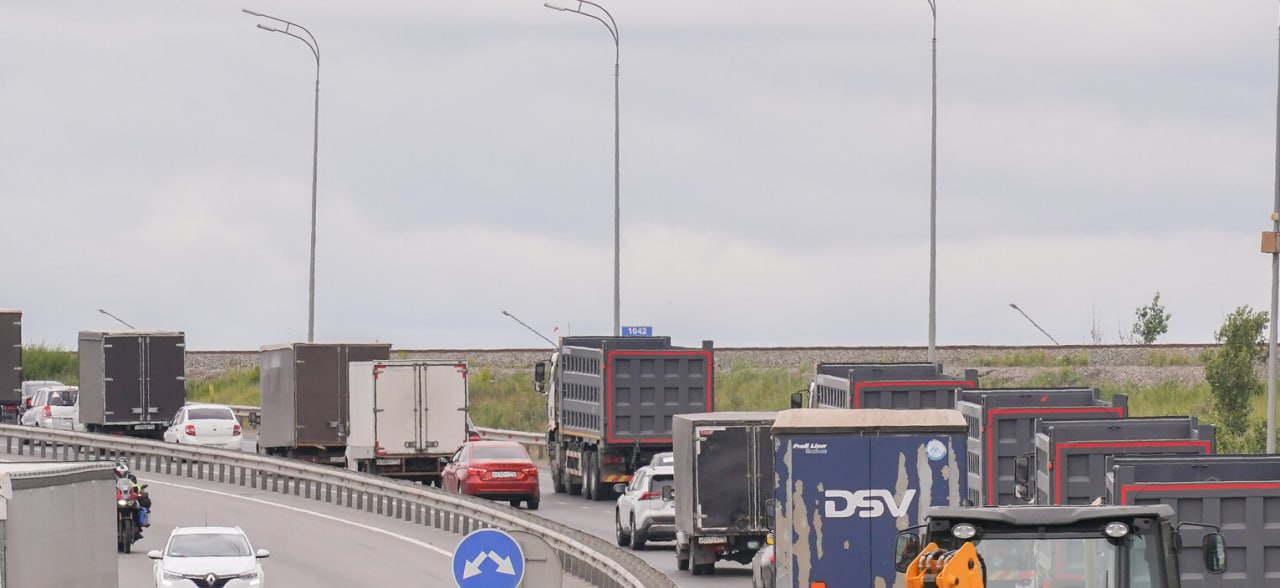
(498, 470)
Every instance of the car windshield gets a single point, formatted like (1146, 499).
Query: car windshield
(499, 452)
(661, 481)
(1069, 563)
(663, 459)
(208, 545)
(213, 413)
(62, 397)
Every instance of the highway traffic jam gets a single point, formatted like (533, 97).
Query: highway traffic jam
(879, 475)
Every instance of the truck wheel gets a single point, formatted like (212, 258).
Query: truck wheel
(638, 536)
(704, 569)
(589, 477)
(557, 481)
(623, 537)
(682, 560)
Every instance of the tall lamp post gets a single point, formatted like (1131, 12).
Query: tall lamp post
(933, 198)
(310, 42)
(617, 182)
(118, 319)
(1275, 294)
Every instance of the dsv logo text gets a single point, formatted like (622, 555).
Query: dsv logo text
(866, 503)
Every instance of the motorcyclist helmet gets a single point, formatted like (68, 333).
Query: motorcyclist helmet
(122, 470)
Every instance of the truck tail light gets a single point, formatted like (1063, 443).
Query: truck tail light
(771, 556)
(48, 412)
(191, 430)
(611, 459)
(235, 431)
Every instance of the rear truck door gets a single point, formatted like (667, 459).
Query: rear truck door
(166, 384)
(123, 379)
(910, 473)
(723, 493)
(10, 357)
(825, 482)
(317, 375)
(395, 411)
(442, 398)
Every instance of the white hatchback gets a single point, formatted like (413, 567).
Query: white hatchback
(54, 407)
(207, 425)
(208, 556)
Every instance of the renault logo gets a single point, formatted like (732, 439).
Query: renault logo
(211, 579)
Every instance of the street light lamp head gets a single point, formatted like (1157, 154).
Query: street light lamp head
(247, 11)
(554, 7)
(268, 28)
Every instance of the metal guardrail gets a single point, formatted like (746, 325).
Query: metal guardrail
(591, 558)
(534, 443)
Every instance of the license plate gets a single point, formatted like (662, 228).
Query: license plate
(144, 427)
(504, 474)
(388, 461)
(337, 460)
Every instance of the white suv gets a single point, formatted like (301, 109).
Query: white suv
(642, 515)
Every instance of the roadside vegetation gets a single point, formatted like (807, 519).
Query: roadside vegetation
(1033, 358)
(237, 387)
(50, 362)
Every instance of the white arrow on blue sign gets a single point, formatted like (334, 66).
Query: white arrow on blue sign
(488, 558)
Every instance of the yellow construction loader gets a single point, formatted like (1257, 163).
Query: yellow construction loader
(1054, 547)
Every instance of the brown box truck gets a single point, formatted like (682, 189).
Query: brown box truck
(10, 364)
(131, 382)
(305, 395)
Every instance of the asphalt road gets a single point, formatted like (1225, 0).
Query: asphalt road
(597, 518)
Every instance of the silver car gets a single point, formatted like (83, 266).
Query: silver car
(642, 515)
(54, 407)
(208, 556)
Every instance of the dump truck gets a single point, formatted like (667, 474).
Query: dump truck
(886, 385)
(405, 416)
(1049, 546)
(1071, 456)
(1240, 494)
(845, 483)
(132, 382)
(1002, 426)
(723, 487)
(304, 398)
(10, 364)
(610, 405)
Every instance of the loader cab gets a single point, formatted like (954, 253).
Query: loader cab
(1065, 546)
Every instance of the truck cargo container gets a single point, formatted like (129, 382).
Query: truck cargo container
(724, 478)
(846, 481)
(1240, 494)
(1002, 426)
(59, 525)
(1071, 456)
(131, 382)
(304, 398)
(405, 416)
(10, 364)
(886, 385)
(610, 404)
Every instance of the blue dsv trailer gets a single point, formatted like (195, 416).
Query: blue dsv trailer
(845, 483)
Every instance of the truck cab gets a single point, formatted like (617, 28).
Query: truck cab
(1053, 546)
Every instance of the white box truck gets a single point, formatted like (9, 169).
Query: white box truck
(405, 415)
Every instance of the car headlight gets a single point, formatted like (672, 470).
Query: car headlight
(250, 575)
(172, 576)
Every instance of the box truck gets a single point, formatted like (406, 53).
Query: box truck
(723, 482)
(405, 416)
(846, 481)
(10, 364)
(131, 382)
(610, 405)
(304, 398)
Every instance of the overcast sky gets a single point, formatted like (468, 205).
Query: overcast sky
(155, 161)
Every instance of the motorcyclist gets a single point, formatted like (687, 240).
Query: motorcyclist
(144, 500)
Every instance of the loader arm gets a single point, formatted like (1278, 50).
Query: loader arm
(938, 568)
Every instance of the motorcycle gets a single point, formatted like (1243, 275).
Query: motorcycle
(129, 515)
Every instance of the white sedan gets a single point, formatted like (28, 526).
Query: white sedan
(207, 425)
(208, 556)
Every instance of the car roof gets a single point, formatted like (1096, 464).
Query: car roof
(493, 443)
(206, 405)
(668, 470)
(207, 531)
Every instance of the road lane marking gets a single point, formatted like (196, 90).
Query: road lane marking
(409, 540)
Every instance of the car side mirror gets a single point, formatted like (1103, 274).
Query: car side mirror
(1215, 553)
(769, 506)
(155, 554)
(620, 488)
(540, 377)
(1022, 469)
(444, 460)
(668, 493)
(262, 554)
(906, 548)
(797, 399)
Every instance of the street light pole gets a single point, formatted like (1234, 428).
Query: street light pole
(1275, 293)
(1033, 323)
(314, 46)
(933, 198)
(118, 319)
(617, 180)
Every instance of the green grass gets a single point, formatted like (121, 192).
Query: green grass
(744, 387)
(237, 387)
(50, 362)
(1033, 358)
(1165, 359)
(506, 401)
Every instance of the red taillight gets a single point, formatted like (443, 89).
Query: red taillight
(28, 403)
(235, 431)
(191, 430)
(477, 471)
(771, 557)
(48, 412)
(611, 459)
(530, 471)
(473, 436)
(650, 495)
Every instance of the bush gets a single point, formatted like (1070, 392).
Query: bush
(50, 362)
(237, 387)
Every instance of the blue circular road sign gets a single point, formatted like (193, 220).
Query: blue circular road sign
(488, 558)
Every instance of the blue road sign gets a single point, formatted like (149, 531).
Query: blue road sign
(637, 331)
(488, 558)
